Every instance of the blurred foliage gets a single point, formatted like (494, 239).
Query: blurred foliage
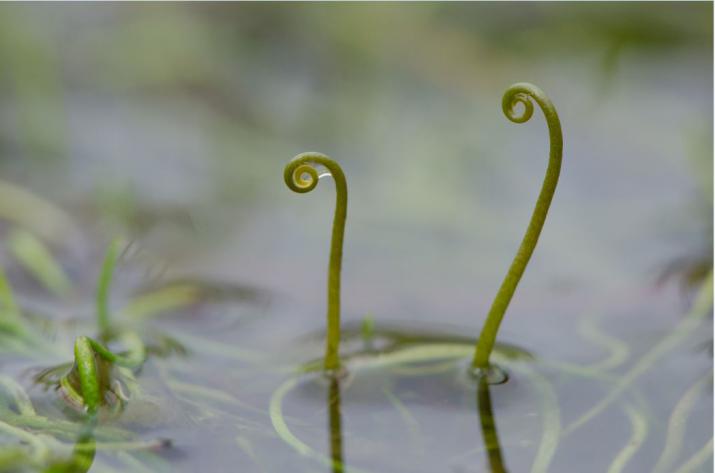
(166, 120)
(233, 64)
(169, 121)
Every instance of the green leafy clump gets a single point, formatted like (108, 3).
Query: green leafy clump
(90, 381)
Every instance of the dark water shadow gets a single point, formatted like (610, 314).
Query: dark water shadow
(487, 422)
(335, 426)
(82, 455)
(489, 428)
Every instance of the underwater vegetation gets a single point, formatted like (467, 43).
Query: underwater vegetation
(167, 381)
(95, 400)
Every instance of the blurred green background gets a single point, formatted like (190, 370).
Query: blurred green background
(171, 123)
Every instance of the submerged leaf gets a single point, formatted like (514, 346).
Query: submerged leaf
(36, 258)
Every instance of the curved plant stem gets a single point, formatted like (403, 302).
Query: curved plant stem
(697, 460)
(523, 93)
(551, 418)
(278, 419)
(301, 176)
(639, 432)
(701, 308)
(17, 395)
(104, 283)
(135, 358)
(676, 433)
(34, 255)
(617, 348)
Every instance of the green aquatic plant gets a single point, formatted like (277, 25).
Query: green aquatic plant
(90, 383)
(104, 283)
(301, 176)
(410, 354)
(30, 439)
(522, 93)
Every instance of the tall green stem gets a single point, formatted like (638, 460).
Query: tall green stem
(104, 284)
(522, 93)
(301, 176)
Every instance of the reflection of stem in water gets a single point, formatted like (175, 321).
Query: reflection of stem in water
(281, 427)
(336, 434)
(489, 428)
(82, 455)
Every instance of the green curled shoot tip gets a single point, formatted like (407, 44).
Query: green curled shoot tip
(523, 93)
(104, 284)
(89, 380)
(302, 176)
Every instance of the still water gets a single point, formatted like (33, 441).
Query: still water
(609, 361)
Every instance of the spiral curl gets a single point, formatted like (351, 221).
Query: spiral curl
(523, 93)
(511, 100)
(297, 183)
(295, 178)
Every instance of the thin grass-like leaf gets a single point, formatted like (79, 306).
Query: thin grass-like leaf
(701, 307)
(675, 436)
(639, 431)
(37, 259)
